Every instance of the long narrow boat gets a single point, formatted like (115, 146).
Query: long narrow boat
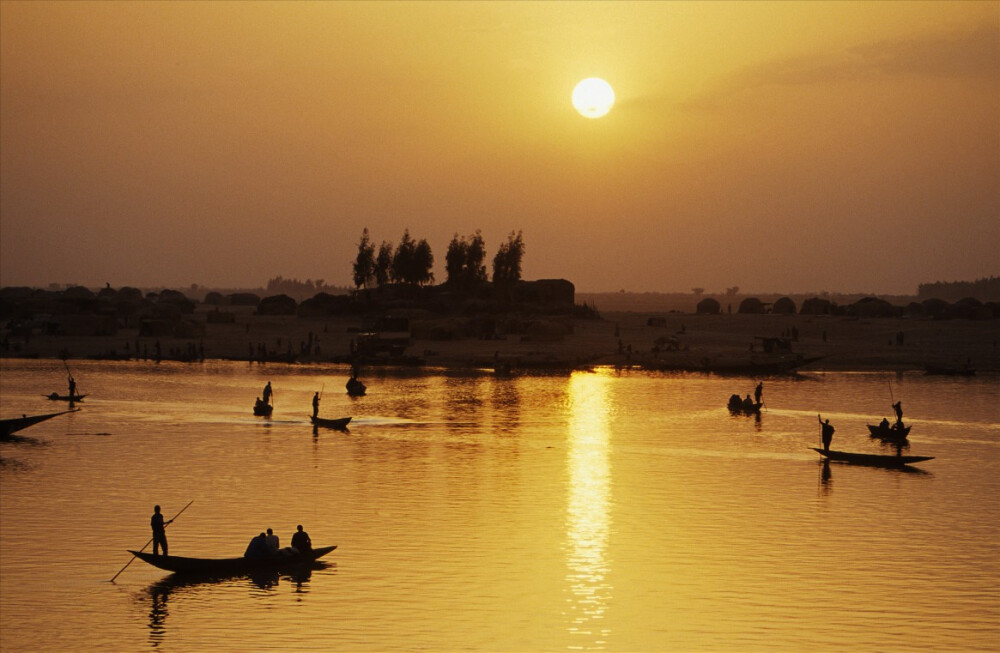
(889, 432)
(55, 396)
(873, 459)
(339, 424)
(182, 565)
(9, 426)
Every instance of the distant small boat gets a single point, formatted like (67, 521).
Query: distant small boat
(945, 370)
(872, 459)
(9, 426)
(737, 406)
(888, 432)
(339, 424)
(356, 388)
(55, 396)
(262, 410)
(206, 566)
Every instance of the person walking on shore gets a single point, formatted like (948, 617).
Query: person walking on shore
(827, 431)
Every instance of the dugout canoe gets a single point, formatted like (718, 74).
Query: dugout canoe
(208, 566)
(888, 432)
(9, 426)
(55, 396)
(339, 424)
(872, 459)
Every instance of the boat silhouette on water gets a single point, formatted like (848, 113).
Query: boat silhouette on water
(339, 424)
(208, 566)
(14, 424)
(871, 459)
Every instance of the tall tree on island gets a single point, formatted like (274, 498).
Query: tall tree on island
(383, 264)
(507, 262)
(464, 261)
(364, 264)
(423, 263)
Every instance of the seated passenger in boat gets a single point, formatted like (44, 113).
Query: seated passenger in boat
(301, 541)
(884, 424)
(748, 404)
(257, 548)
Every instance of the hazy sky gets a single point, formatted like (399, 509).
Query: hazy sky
(788, 146)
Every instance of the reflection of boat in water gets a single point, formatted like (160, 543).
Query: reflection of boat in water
(55, 396)
(340, 423)
(232, 566)
(888, 432)
(9, 426)
(872, 459)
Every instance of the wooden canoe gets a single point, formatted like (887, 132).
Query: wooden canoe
(889, 432)
(9, 426)
(339, 424)
(263, 410)
(873, 459)
(207, 566)
(55, 396)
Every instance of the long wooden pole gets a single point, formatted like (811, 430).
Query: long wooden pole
(150, 542)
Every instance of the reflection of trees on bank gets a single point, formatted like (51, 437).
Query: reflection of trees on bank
(506, 401)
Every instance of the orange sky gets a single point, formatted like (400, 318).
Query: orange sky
(787, 147)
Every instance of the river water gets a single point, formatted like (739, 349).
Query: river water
(610, 510)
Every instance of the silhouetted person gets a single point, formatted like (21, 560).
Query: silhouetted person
(159, 530)
(267, 393)
(316, 405)
(272, 541)
(748, 404)
(72, 386)
(827, 432)
(301, 541)
(257, 547)
(884, 424)
(898, 407)
(757, 392)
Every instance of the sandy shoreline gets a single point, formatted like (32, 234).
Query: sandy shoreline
(668, 341)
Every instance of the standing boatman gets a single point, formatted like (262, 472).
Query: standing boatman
(267, 393)
(827, 431)
(159, 530)
(758, 391)
(898, 407)
(316, 405)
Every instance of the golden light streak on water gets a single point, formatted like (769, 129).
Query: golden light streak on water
(588, 517)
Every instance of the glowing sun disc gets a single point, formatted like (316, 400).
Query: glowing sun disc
(593, 97)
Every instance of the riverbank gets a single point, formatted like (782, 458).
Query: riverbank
(647, 340)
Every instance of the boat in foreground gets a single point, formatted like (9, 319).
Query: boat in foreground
(340, 423)
(182, 565)
(873, 459)
(9, 426)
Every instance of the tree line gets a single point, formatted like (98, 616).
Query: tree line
(412, 261)
(983, 289)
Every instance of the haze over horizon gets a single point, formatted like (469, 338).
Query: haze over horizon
(779, 147)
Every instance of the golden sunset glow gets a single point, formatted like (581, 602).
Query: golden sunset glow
(593, 97)
(288, 127)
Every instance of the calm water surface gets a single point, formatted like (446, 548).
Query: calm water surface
(592, 511)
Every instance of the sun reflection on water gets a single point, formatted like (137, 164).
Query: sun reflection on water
(587, 511)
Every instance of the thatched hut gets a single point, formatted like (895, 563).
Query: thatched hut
(708, 306)
(784, 306)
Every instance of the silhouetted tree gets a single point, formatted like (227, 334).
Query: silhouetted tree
(402, 261)
(383, 264)
(464, 262)
(507, 262)
(422, 263)
(364, 264)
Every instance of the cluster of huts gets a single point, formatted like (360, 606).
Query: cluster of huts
(869, 307)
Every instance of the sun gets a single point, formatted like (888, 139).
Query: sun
(593, 97)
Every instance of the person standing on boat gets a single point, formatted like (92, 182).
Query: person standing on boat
(267, 393)
(898, 407)
(827, 431)
(758, 392)
(316, 405)
(301, 541)
(72, 386)
(159, 530)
